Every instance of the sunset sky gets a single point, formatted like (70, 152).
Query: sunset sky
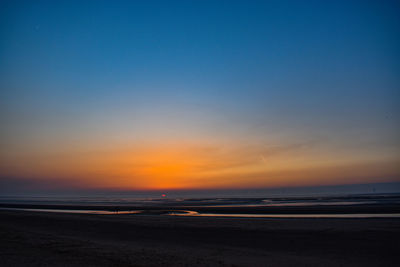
(144, 95)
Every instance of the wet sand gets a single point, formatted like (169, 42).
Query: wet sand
(378, 208)
(61, 239)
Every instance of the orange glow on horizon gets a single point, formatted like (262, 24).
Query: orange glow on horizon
(195, 166)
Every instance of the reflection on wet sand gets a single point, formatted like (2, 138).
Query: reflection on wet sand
(105, 212)
(198, 214)
(370, 215)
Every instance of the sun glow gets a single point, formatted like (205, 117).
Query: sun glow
(197, 165)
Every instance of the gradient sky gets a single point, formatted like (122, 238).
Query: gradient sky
(199, 94)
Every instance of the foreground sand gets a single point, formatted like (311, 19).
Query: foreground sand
(52, 239)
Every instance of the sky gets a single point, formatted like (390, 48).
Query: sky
(170, 95)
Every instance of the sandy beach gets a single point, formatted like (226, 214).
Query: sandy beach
(62, 239)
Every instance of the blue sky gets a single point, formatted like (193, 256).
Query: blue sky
(267, 73)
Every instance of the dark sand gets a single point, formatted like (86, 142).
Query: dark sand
(55, 239)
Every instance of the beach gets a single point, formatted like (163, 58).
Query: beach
(61, 239)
